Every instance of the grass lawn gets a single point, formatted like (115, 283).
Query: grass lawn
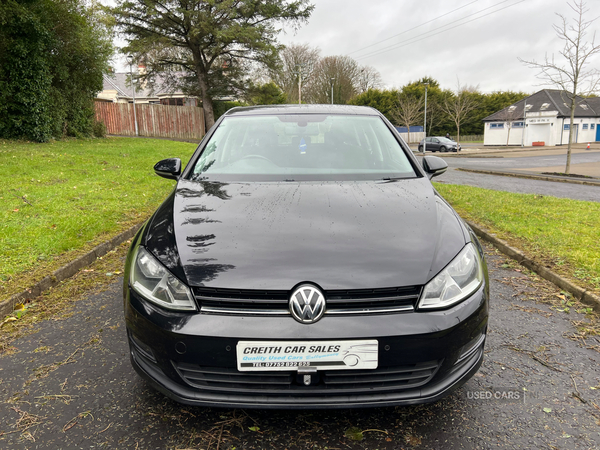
(62, 198)
(561, 233)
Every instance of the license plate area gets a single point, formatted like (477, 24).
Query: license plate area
(297, 355)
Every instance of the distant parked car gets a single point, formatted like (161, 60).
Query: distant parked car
(439, 144)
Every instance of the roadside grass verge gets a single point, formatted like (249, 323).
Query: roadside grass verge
(60, 199)
(561, 234)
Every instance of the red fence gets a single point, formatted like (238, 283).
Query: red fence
(179, 122)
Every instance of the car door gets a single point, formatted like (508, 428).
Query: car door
(429, 142)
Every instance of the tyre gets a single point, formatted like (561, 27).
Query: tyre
(420, 148)
(442, 149)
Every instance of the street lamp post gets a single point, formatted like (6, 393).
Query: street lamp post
(130, 61)
(299, 66)
(332, 90)
(425, 121)
(524, 123)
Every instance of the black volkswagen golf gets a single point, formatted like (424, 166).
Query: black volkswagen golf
(304, 260)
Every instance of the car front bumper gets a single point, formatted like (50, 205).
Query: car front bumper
(422, 356)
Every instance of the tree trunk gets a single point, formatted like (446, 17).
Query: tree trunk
(407, 134)
(508, 137)
(207, 106)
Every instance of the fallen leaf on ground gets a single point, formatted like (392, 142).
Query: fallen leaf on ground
(354, 433)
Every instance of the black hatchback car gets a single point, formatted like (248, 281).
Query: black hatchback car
(304, 260)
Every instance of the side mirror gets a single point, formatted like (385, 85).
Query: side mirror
(168, 168)
(434, 166)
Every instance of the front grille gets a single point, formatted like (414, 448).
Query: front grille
(342, 382)
(257, 302)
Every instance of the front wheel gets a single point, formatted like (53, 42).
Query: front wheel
(420, 148)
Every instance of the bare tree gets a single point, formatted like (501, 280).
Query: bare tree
(435, 114)
(408, 110)
(296, 60)
(572, 73)
(509, 115)
(459, 106)
(337, 73)
(368, 78)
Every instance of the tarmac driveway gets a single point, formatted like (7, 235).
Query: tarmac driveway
(70, 385)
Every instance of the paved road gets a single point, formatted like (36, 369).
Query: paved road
(510, 162)
(71, 386)
(520, 185)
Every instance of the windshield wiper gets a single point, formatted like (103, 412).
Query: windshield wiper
(392, 178)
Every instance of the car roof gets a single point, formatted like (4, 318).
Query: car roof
(303, 109)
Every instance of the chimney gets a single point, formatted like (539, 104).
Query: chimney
(141, 72)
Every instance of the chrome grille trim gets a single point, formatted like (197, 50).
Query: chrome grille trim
(276, 303)
(391, 309)
(380, 299)
(244, 312)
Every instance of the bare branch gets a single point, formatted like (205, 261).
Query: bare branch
(577, 52)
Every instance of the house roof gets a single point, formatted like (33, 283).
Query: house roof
(119, 81)
(594, 102)
(549, 100)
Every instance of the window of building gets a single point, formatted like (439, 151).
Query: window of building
(566, 126)
(592, 126)
(172, 101)
(544, 106)
(517, 125)
(512, 108)
(528, 107)
(585, 126)
(584, 107)
(498, 125)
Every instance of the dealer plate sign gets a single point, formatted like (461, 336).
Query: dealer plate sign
(294, 355)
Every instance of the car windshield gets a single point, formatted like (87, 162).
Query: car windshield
(446, 140)
(302, 147)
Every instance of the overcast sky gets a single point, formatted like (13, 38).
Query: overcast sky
(475, 41)
(478, 43)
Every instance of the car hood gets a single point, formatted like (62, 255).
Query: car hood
(339, 235)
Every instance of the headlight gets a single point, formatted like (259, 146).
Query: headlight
(458, 280)
(155, 283)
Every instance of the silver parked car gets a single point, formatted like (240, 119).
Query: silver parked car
(439, 144)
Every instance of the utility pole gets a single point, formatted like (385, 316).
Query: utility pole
(332, 80)
(130, 61)
(425, 121)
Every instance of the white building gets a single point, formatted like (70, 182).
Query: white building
(547, 120)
